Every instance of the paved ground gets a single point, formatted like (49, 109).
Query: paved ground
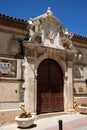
(70, 122)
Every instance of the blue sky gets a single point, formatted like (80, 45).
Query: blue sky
(71, 13)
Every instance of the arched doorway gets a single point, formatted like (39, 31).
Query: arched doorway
(49, 87)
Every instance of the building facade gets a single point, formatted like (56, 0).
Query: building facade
(41, 65)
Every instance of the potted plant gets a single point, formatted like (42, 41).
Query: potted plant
(25, 119)
(83, 108)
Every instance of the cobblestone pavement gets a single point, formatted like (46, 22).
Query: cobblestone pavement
(70, 122)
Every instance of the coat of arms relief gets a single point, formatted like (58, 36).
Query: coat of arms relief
(50, 32)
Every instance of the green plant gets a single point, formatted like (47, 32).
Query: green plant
(24, 114)
(84, 105)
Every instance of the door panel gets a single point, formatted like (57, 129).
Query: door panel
(49, 87)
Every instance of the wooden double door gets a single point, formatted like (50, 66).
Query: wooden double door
(49, 87)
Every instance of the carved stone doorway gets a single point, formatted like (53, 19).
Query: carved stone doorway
(49, 87)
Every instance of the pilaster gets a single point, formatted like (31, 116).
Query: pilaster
(68, 88)
(29, 85)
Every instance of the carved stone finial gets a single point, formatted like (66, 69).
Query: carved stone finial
(30, 21)
(66, 31)
(49, 12)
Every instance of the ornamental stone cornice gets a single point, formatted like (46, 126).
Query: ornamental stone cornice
(65, 55)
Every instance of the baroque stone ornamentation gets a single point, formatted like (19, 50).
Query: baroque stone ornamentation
(34, 32)
(66, 40)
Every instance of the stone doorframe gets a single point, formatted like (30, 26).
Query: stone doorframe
(34, 56)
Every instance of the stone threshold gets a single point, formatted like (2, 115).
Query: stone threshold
(45, 115)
